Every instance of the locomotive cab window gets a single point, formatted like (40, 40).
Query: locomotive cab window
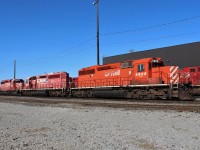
(17, 81)
(192, 70)
(156, 63)
(128, 64)
(198, 69)
(33, 78)
(140, 67)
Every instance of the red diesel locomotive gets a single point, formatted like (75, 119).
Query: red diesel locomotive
(146, 78)
(190, 78)
(52, 84)
(11, 86)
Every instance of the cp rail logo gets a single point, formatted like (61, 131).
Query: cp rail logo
(112, 73)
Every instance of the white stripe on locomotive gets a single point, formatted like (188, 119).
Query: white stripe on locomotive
(174, 75)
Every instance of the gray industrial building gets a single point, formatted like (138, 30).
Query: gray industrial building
(181, 55)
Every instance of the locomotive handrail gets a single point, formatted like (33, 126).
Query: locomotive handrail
(49, 85)
(124, 81)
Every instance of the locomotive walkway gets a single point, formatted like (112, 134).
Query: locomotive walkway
(193, 106)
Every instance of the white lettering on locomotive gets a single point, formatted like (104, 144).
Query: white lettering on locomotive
(107, 74)
(112, 73)
(140, 74)
(42, 80)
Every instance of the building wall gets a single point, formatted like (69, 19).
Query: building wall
(181, 55)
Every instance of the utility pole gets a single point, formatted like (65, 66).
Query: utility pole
(14, 69)
(97, 24)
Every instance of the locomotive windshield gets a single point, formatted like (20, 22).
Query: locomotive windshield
(192, 70)
(156, 63)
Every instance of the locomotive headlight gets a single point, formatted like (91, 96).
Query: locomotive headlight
(155, 61)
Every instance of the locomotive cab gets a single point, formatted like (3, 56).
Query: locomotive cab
(30, 83)
(191, 76)
(17, 84)
(12, 86)
(148, 71)
(6, 85)
(156, 62)
(190, 79)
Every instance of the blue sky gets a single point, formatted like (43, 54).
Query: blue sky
(50, 36)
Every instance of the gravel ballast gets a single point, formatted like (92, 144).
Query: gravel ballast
(78, 127)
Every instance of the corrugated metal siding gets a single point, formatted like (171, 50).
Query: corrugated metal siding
(180, 55)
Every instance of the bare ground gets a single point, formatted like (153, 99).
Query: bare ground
(84, 127)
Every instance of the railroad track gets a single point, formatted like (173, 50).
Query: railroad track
(193, 106)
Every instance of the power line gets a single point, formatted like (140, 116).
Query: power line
(46, 59)
(125, 31)
(55, 57)
(158, 38)
(59, 52)
(150, 27)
